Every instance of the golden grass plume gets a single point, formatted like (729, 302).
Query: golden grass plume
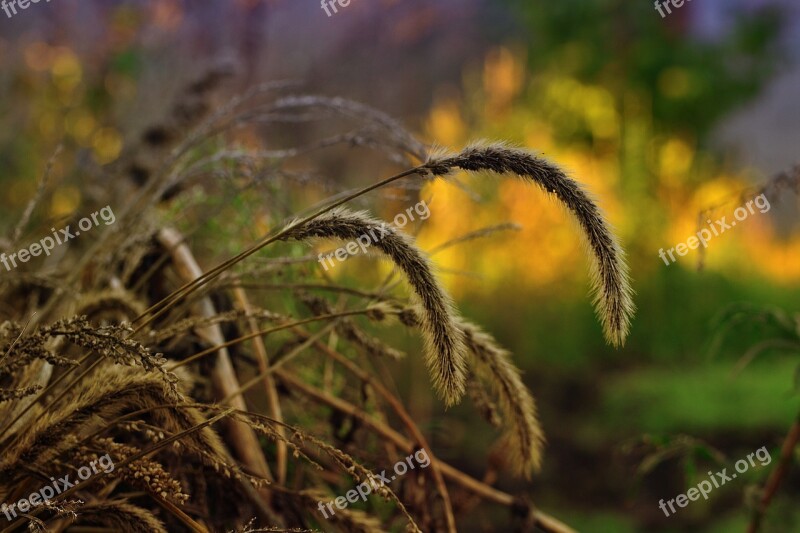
(444, 344)
(613, 294)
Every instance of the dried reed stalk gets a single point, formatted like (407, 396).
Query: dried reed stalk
(242, 438)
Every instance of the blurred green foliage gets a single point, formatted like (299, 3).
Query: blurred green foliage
(626, 46)
(669, 83)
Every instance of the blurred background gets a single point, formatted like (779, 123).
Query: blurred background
(666, 120)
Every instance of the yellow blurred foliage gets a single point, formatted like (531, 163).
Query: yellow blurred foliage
(66, 70)
(503, 76)
(107, 144)
(675, 161)
(80, 124)
(548, 247)
(445, 123)
(64, 201)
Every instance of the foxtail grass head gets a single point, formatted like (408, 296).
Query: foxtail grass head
(611, 286)
(444, 344)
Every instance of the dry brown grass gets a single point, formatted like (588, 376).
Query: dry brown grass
(111, 347)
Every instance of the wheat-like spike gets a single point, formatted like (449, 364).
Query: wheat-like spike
(19, 349)
(193, 322)
(215, 459)
(483, 401)
(110, 393)
(205, 444)
(611, 286)
(122, 516)
(16, 394)
(114, 342)
(117, 304)
(402, 138)
(444, 346)
(143, 473)
(492, 364)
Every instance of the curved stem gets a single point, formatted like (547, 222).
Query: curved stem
(543, 520)
(162, 306)
(261, 333)
(404, 416)
(774, 481)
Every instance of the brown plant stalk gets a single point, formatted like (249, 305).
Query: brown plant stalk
(790, 442)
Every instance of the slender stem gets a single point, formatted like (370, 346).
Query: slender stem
(261, 333)
(162, 306)
(320, 286)
(183, 517)
(774, 481)
(273, 399)
(250, 384)
(52, 402)
(404, 416)
(543, 520)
